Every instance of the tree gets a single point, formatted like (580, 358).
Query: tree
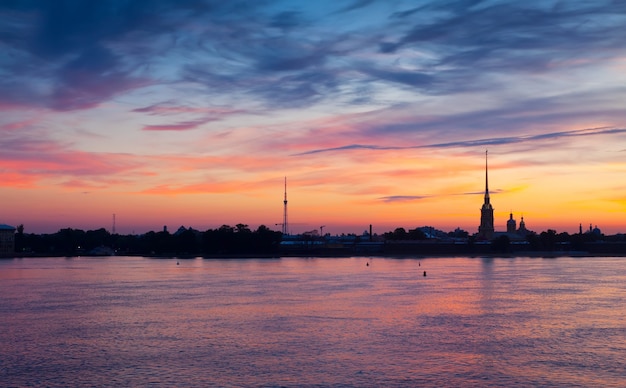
(548, 239)
(19, 238)
(242, 228)
(96, 238)
(185, 242)
(416, 234)
(397, 234)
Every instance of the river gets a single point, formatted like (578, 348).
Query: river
(313, 322)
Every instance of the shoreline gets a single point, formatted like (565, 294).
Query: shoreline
(394, 255)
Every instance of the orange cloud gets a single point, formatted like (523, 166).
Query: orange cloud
(13, 179)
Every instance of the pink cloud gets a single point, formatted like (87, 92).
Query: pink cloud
(18, 180)
(16, 125)
(31, 161)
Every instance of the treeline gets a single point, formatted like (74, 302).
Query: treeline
(224, 240)
(402, 234)
(551, 240)
(240, 239)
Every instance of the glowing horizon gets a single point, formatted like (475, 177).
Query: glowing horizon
(192, 113)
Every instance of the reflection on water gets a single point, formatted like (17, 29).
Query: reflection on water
(323, 321)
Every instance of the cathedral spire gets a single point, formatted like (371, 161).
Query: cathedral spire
(486, 229)
(486, 179)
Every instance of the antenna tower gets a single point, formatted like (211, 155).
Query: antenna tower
(285, 226)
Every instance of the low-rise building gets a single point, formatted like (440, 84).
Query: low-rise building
(7, 240)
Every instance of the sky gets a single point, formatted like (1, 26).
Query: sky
(193, 112)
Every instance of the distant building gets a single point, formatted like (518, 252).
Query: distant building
(511, 225)
(522, 231)
(7, 239)
(595, 231)
(486, 230)
(514, 233)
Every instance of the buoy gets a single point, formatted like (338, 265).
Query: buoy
(367, 264)
(424, 273)
(177, 263)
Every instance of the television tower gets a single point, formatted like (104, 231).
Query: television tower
(285, 227)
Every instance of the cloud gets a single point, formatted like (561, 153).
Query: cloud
(166, 108)
(84, 90)
(495, 35)
(403, 198)
(61, 53)
(182, 126)
(33, 158)
(210, 187)
(410, 78)
(491, 191)
(287, 20)
(413, 198)
(84, 54)
(97, 49)
(255, 82)
(73, 55)
(75, 184)
(20, 124)
(17, 179)
(356, 4)
(296, 57)
(471, 45)
(476, 143)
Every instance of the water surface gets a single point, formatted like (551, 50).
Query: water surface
(129, 321)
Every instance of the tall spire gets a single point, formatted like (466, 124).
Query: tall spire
(486, 229)
(285, 227)
(486, 178)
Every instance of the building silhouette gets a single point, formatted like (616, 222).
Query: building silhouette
(486, 229)
(7, 239)
(511, 225)
(514, 233)
(522, 231)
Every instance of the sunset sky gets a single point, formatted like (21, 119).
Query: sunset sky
(378, 112)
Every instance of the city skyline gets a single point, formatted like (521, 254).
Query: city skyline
(193, 113)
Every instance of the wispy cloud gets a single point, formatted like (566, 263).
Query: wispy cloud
(492, 191)
(182, 126)
(402, 198)
(167, 109)
(478, 143)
